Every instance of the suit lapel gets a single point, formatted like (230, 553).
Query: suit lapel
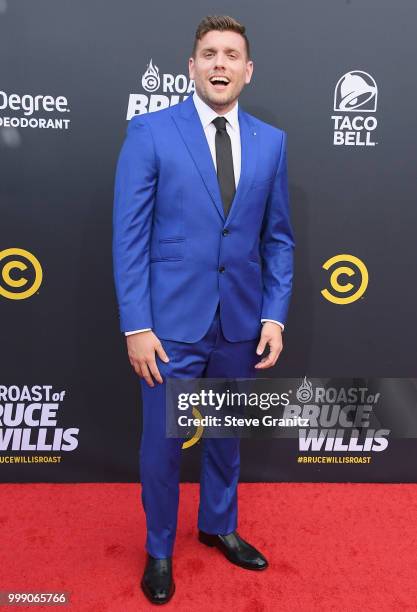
(249, 156)
(189, 125)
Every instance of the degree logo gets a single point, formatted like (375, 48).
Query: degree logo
(19, 270)
(356, 271)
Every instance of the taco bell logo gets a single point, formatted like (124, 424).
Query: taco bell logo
(158, 91)
(356, 92)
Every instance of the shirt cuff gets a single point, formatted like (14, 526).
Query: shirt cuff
(129, 333)
(273, 321)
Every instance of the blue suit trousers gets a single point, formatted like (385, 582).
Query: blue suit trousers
(211, 357)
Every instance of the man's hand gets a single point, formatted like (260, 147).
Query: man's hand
(272, 335)
(141, 348)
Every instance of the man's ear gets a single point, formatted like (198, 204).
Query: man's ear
(249, 71)
(191, 67)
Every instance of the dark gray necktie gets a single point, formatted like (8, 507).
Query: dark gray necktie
(224, 162)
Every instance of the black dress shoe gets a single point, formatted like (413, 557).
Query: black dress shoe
(157, 582)
(235, 549)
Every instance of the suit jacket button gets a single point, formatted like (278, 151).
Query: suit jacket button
(222, 269)
(225, 232)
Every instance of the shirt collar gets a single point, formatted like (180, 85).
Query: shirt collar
(207, 114)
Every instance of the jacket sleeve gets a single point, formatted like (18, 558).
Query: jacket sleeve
(134, 198)
(277, 246)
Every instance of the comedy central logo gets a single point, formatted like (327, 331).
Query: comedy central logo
(20, 274)
(343, 270)
(195, 437)
(305, 391)
(150, 78)
(356, 92)
(158, 91)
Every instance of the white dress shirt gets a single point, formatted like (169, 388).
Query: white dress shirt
(207, 115)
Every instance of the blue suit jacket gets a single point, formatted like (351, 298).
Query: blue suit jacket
(171, 239)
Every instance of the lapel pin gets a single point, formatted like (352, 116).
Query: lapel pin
(254, 133)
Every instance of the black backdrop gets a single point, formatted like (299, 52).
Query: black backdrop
(56, 194)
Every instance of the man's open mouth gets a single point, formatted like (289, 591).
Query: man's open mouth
(219, 82)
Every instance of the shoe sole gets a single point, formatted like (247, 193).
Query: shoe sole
(208, 542)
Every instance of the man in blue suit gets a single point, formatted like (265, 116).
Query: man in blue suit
(203, 265)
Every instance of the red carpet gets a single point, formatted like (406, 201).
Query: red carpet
(331, 547)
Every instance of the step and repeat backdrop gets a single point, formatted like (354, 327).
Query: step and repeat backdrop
(339, 77)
